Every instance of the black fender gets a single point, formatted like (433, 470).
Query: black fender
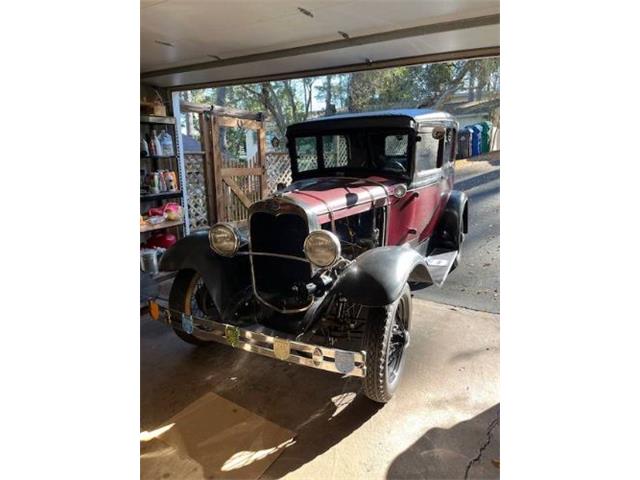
(223, 276)
(377, 277)
(454, 216)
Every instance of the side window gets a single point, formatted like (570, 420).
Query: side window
(396, 145)
(335, 150)
(427, 151)
(307, 153)
(448, 150)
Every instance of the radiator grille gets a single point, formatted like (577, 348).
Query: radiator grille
(274, 277)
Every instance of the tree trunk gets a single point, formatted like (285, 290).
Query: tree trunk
(452, 88)
(472, 83)
(188, 116)
(271, 103)
(327, 97)
(292, 100)
(221, 94)
(350, 93)
(308, 89)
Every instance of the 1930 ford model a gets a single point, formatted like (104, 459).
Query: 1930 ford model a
(319, 275)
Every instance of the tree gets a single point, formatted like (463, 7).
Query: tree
(287, 101)
(428, 85)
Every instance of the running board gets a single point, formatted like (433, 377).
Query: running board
(439, 264)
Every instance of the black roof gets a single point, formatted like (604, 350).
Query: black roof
(391, 118)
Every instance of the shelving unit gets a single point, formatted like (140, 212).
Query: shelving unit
(152, 163)
(149, 283)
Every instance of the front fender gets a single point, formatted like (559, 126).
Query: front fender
(377, 277)
(223, 276)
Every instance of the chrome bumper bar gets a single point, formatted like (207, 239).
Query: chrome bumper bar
(334, 360)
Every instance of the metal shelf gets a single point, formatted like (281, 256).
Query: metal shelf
(159, 196)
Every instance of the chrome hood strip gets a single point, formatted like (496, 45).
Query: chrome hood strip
(300, 188)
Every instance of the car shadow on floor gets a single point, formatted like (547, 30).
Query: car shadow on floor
(469, 449)
(320, 407)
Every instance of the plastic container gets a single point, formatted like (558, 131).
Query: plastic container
(476, 140)
(157, 147)
(144, 148)
(167, 144)
(149, 260)
(486, 136)
(464, 143)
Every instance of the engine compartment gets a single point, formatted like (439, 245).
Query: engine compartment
(359, 233)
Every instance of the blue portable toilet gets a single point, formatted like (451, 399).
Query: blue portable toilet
(476, 140)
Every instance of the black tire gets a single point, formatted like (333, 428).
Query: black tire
(180, 299)
(384, 371)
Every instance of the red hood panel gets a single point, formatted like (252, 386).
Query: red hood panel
(344, 196)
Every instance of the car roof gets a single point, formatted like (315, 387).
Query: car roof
(416, 114)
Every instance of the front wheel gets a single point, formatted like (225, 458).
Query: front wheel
(189, 295)
(386, 337)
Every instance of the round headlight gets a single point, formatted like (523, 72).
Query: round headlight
(322, 248)
(223, 240)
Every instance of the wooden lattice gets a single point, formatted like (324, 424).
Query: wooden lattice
(196, 190)
(335, 151)
(278, 170)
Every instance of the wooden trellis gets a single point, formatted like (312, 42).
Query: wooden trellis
(194, 165)
(234, 163)
(278, 170)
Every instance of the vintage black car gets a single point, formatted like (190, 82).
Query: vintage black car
(321, 273)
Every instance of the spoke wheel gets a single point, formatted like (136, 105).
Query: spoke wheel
(386, 339)
(398, 340)
(190, 296)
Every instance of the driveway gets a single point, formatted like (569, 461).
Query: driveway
(442, 423)
(476, 282)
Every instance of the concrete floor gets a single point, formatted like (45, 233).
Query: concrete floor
(476, 282)
(442, 423)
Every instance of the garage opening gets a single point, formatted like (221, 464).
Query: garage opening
(469, 89)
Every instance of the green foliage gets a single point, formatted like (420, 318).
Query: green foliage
(431, 85)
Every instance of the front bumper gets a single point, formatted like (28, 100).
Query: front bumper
(334, 360)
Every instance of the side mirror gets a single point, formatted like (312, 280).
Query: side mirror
(280, 186)
(438, 133)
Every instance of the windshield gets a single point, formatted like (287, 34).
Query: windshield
(353, 151)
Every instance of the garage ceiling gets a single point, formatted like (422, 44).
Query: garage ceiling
(188, 43)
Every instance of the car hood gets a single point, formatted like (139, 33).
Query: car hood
(340, 195)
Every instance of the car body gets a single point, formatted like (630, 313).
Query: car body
(320, 273)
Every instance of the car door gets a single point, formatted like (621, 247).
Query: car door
(413, 214)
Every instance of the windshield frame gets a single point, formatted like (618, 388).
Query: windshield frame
(341, 171)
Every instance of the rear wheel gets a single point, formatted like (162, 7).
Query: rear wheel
(189, 295)
(386, 337)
